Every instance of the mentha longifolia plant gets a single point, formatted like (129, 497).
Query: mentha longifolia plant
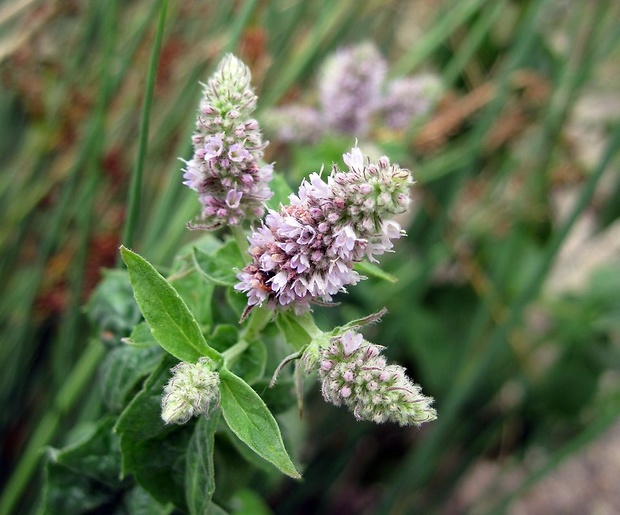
(234, 312)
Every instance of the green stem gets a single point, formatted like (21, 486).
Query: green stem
(259, 318)
(71, 391)
(133, 209)
(232, 354)
(307, 322)
(241, 239)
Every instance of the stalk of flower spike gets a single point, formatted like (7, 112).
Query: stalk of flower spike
(353, 373)
(226, 168)
(307, 249)
(408, 98)
(350, 88)
(192, 390)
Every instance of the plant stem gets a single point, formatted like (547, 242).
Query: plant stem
(231, 355)
(307, 322)
(259, 318)
(241, 239)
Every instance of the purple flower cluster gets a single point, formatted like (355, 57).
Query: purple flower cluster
(306, 251)
(408, 98)
(293, 122)
(353, 372)
(353, 93)
(226, 168)
(350, 88)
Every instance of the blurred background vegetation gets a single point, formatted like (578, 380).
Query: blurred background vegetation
(507, 305)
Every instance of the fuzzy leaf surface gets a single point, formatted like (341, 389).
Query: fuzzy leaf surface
(199, 470)
(249, 418)
(172, 324)
(220, 267)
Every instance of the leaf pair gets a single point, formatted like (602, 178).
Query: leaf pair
(176, 330)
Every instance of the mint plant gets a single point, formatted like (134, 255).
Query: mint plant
(356, 98)
(206, 373)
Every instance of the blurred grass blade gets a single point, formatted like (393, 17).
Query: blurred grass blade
(450, 18)
(72, 390)
(419, 464)
(135, 187)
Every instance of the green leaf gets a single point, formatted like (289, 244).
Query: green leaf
(197, 293)
(123, 368)
(153, 452)
(142, 417)
(237, 301)
(214, 509)
(250, 366)
(141, 336)
(199, 471)
(172, 324)
(68, 491)
(248, 417)
(97, 455)
(372, 270)
(224, 337)
(158, 464)
(281, 191)
(247, 454)
(222, 266)
(207, 243)
(139, 502)
(294, 332)
(112, 307)
(280, 397)
(248, 502)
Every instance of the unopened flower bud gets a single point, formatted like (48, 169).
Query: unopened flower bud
(191, 391)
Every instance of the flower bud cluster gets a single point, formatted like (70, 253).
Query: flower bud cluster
(306, 250)
(353, 373)
(226, 168)
(191, 391)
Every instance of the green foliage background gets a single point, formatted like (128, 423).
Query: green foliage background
(515, 365)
